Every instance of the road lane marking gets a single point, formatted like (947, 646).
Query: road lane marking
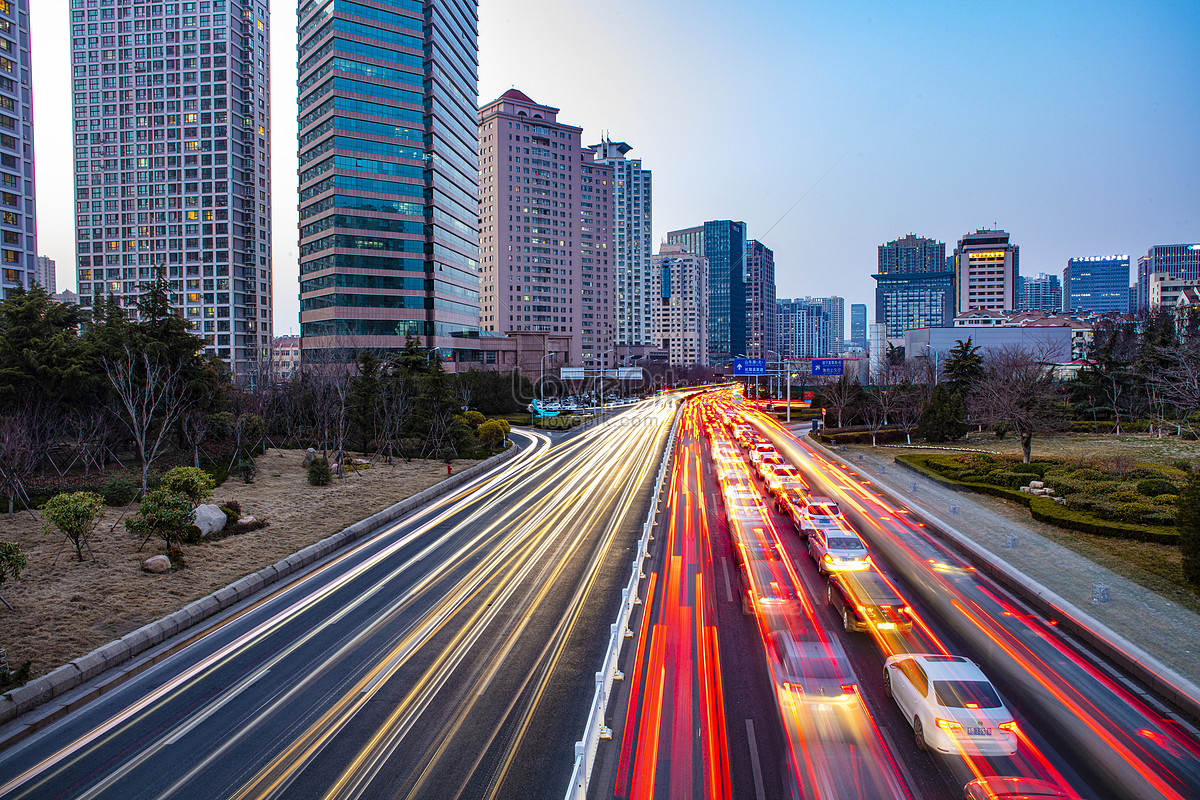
(725, 569)
(759, 792)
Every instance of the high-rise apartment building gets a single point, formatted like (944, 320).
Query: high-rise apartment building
(723, 243)
(1179, 261)
(1040, 293)
(389, 177)
(803, 327)
(835, 310)
(680, 303)
(18, 220)
(1098, 284)
(630, 254)
(914, 285)
(545, 210)
(762, 321)
(172, 110)
(985, 272)
(43, 274)
(858, 325)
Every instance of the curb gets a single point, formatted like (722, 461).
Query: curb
(1166, 682)
(56, 683)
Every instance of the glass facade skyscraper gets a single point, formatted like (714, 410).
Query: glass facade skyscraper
(18, 218)
(172, 109)
(389, 177)
(723, 243)
(915, 285)
(858, 325)
(762, 321)
(1096, 283)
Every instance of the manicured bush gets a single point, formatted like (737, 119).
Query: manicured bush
(194, 484)
(191, 534)
(1152, 487)
(1032, 468)
(1124, 496)
(1166, 499)
(163, 513)
(118, 491)
(74, 515)
(490, 434)
(474, 418)
(318, 473)
(1134, 512)
(1187, 522)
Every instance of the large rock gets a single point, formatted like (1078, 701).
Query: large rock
(157, 564)
(210, 519)
(309, 455)
(1036, 485)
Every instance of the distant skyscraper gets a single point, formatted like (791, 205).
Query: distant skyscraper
(914, 286)
(680, 304)
(545, 203)
(630, 277)
(389, 158)
(1043, 293)
(1180, 261)
(762, 321)
(1096, 283)
(173, 164)
(835, 309)
(985, 272)
(18, 223)
(723, 243)
(43, 274)
(858, 325)
(803, 327)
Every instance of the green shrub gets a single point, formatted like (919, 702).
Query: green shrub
(233, 505)
(118, 491)
(1135, 512)
(164, 514)
(1046, 510)
(231, 516)
(1089, 474)
(1032, 468)
(191, 534)
(247, 468)
(1166, 499)
(318, 473)
(194, 484)
(490, 434)
(474, 418)
(176, 556)
(1152, 487)
(74, 514)
(1139, 473)
(1124, 496)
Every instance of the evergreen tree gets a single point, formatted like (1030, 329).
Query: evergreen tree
(942, 418)
(40, 357)
(963, 367)
(1187, 520)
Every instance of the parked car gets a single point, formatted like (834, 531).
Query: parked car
(837, 550)
(950, 704)
(997, 787)
(819, 513)
(865, 601)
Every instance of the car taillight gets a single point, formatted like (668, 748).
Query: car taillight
(1010, 726)
(948, 724)
(867, 561)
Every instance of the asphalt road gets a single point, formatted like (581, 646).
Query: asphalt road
(449, 656)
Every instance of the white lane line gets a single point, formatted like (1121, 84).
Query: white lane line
(758, 782)
(725, 569)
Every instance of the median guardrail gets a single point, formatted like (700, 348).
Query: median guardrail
(596, 730)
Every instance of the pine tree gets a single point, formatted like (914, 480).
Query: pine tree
(942, 418)
(963, 367)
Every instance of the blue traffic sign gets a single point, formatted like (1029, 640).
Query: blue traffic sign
(827, 366)
(749, 366)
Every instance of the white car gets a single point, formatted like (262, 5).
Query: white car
(951, 705)
(837, 550)
(819, 513)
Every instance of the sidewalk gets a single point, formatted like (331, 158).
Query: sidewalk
(1165, 630)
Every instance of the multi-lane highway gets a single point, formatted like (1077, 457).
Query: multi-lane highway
(449, 656)
(743, 682)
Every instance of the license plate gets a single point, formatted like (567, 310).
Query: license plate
(886, 626)
(979, 731)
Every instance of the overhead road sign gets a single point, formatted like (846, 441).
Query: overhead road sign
(750, 366)
(572, 373)
(823, 367)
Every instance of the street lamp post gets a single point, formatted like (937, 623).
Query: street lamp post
(602, 355)
(929, 350)
(542, 382)
(771, 383)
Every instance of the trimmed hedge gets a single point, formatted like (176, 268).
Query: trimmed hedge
(886, 436)
(1046, 510)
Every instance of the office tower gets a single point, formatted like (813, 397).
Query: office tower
(173, 165)
(762, 321)
(1098, 284)
(914, 285)
(1178, 261)
(18, 222)
(680, 305)
(43, 274)
(835, 309)
(545, 206)
(858, 325)
(723, 243)
(985, 272)
(1043, 293)
(630, 278)
(804, 330)
(389, 178)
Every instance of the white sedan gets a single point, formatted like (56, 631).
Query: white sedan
(952, 706)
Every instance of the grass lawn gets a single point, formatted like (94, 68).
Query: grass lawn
(1139, 446)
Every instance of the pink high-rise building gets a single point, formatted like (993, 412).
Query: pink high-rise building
(544, 216)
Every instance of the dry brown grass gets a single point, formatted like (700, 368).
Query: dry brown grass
(1141, 447)
(65, 611)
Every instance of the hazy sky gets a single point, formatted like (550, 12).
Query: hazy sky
(829, 127)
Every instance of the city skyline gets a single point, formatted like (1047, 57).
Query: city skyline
(859, 183)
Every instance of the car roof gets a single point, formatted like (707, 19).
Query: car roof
(1003, 786)
(869, 585)
(821, 501)
(948, 668)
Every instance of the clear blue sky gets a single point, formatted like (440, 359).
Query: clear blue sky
(828, 127)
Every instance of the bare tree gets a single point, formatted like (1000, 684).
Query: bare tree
(152, 395)
(195, 429)
(1018, 390)
(19, 457)
(841, 395)
(1176, 383)
(394, 413)
(877, 406)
